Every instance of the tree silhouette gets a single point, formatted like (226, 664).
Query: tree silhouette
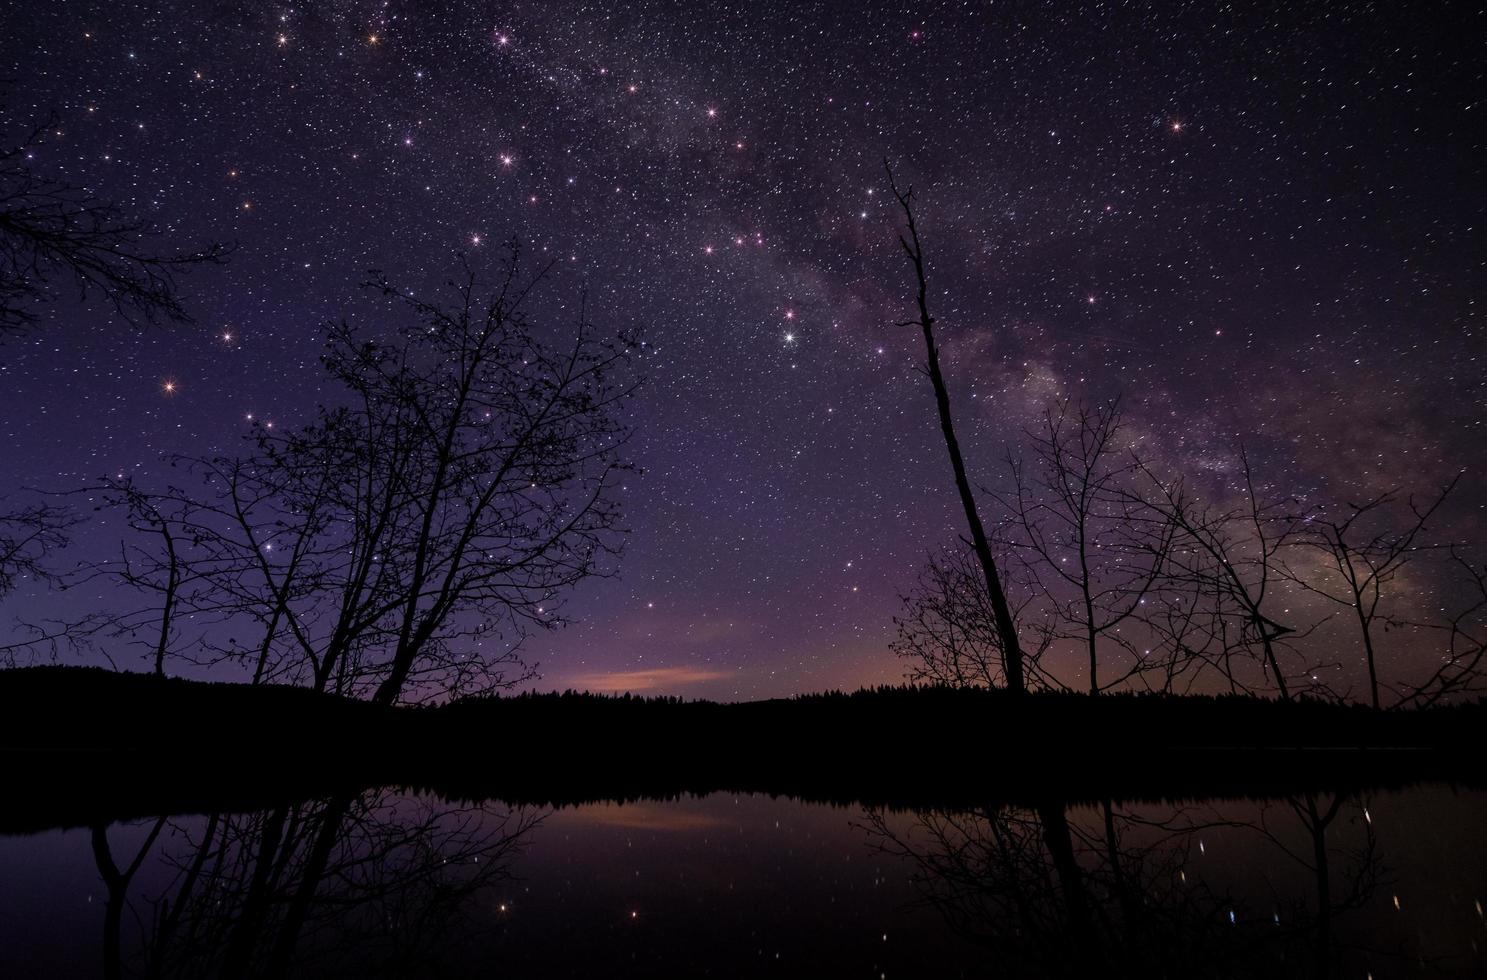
(54, 235)
(1006, 627)
(405, 539)
(1367, 559)
(947, 630)
(30, 534)
(1095, 548)
(1459, 672)
(1229, 559)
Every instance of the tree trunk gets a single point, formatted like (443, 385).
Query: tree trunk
(1001, 611)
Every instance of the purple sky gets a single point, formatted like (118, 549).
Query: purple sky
(1259, 228)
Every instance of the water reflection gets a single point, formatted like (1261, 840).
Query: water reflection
(370, 885)
(1058, 893)
(389, 883)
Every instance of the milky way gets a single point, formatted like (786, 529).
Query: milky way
(1260, 228)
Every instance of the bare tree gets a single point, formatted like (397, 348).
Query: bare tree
(1460, 670)
(408, 537)
(157, 560)
(1096, 549)
(1366, 558)
(1227, 560)
(161, 575)
(232, 549)
(54, 235)
(31, 534)
(947, 630)
(1006, 627)
(481, 472)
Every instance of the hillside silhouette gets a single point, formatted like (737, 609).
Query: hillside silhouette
(85, 743)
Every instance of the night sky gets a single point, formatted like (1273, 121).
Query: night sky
(1258, 226)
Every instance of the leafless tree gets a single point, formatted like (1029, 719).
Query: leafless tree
(1096, 550)
(1367, 549)
(227, 550)
(402, 542)
(1006, 627)
(54, 235)
(1227, 562)
(1460, 671)
(480, 470)
(947, 631)
(157, 559)
(30, 535)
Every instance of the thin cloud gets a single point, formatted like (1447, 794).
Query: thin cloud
(664, 679)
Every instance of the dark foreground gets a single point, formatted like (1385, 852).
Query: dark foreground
(84, 745)
(164, 829)
(389, 883)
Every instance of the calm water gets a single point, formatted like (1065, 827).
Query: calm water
(390, 884)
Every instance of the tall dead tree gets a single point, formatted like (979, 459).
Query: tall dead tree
(1002, 611)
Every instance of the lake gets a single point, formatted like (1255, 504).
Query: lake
(394, 883)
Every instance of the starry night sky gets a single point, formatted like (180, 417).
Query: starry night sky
(1259, 226)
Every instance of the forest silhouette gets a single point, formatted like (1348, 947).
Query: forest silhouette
(396, 549)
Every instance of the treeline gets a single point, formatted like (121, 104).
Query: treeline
(81, 741)
(102, 710)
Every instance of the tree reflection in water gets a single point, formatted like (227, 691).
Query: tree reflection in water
(1054, 892)
(379, 884)
(391, 884)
